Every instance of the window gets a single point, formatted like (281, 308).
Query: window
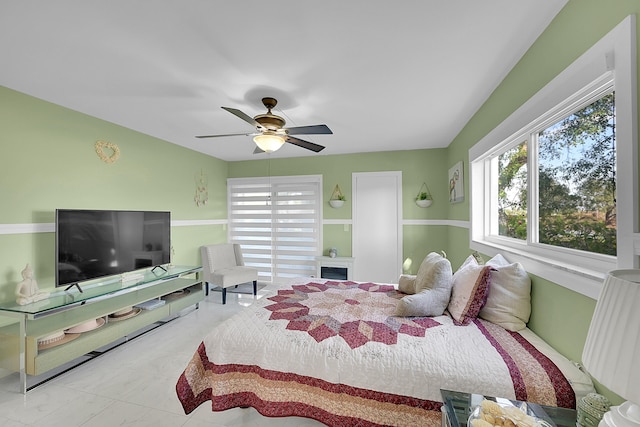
(577, 180)
(512, 192)
(555, 184)
(574, 183)
(277, 221)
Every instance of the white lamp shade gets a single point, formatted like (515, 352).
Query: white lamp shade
(612, 349)
(268, 141)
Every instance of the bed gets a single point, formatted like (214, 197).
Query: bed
(335, 352)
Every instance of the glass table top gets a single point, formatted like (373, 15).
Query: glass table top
(61, 298)
(459, 405)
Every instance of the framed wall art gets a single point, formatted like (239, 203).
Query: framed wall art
(456, 183)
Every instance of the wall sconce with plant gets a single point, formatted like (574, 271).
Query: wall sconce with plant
(424, 197)
(337, 198)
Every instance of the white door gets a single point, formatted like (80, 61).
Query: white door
(377, 226)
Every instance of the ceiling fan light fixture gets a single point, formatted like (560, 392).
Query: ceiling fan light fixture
(269, 141)
(271, 131)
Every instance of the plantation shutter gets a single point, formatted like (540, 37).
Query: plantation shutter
(277, 222)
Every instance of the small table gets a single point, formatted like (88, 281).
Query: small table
(458, 406)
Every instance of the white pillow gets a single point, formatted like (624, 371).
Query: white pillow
(469, 291)
(509, 300)
(434, 272)
(431, 288)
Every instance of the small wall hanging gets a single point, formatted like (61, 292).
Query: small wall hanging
(456, 183)
(424, 198)
(337, 198)
(105, 156)
(202, 189)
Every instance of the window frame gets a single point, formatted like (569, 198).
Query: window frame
(585, 97)
(611, 62)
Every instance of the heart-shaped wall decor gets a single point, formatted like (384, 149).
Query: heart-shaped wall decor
(107, 157)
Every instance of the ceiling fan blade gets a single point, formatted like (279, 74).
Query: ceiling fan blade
(304, 144)
(258, 150)
(228, 134)
(243, 116)
(309, 130)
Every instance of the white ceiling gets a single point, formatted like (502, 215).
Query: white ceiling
(382, 74)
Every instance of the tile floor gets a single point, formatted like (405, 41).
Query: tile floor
(134, 384)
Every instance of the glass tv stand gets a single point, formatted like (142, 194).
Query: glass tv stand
(170, 290)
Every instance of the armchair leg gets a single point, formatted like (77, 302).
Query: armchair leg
(206, 289)
(224, 295)
(255, 287)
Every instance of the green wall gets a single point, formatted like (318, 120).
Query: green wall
(49, 161)
(417, 167)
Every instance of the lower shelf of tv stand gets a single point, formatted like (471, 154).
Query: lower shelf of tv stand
(45, 360)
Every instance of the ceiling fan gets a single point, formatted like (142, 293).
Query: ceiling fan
(270, 132)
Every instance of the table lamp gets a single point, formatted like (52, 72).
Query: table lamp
(612, 349)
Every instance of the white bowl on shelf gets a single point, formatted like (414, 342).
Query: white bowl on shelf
(87, 326)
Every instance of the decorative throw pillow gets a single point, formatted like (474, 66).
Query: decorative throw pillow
(434, 271)
(469, 291)
(431, 288)
(509, 301)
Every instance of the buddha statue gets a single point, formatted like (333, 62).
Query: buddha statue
(27, 291)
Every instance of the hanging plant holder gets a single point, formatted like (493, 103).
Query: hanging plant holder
(337, 198)
(424, 198)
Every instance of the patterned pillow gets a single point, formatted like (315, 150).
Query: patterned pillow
(431, 288)
(509, 301)
(469, 291)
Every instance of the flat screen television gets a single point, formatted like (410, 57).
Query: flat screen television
(96, 243)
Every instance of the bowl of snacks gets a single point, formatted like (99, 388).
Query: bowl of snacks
(494, 414)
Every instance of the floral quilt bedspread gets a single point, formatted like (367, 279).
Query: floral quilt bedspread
(333, 351)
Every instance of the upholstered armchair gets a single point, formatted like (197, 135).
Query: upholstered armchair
(223, 266)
